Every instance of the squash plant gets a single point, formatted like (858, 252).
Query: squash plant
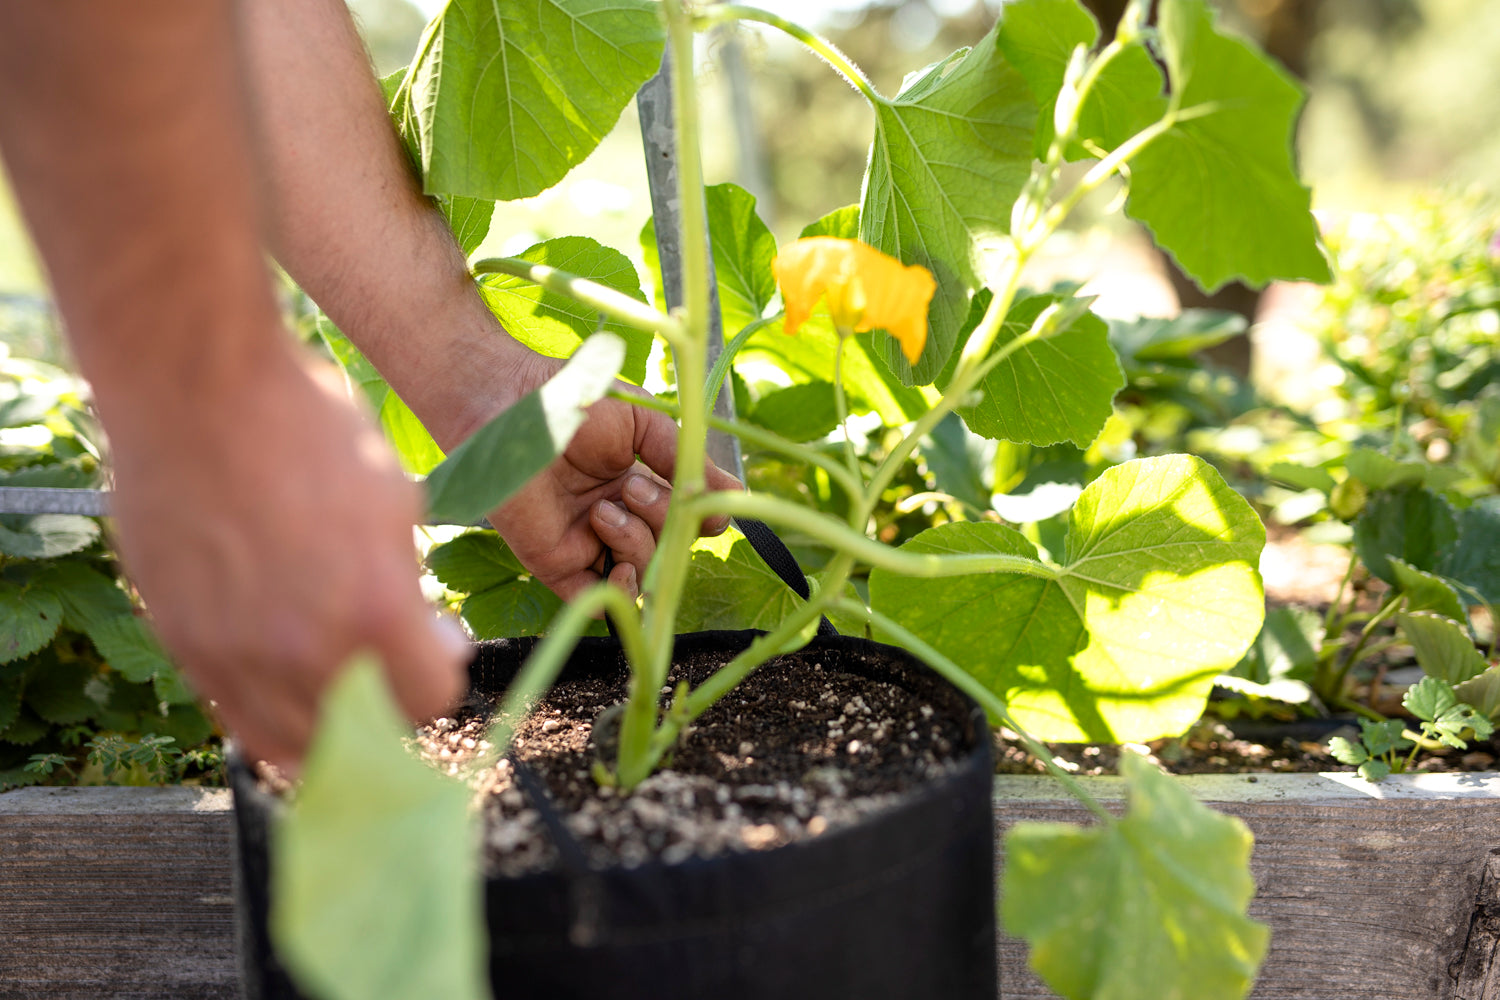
(1116, 633)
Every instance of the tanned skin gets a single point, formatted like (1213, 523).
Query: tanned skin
(157, 149)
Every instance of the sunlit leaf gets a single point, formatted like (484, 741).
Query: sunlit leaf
(1039, 36)
(510, 97)
(129, 647)
(1220, 190)
(950, 154)
(731, 587)
(499, 458)
(1426, 591)
(1061, 388)
(554, 324)
(1157, 595)
(375, 883)
(1144, 908)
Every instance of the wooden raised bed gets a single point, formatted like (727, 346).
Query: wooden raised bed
(1386, 892)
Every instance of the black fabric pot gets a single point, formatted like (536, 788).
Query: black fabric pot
(901, 906)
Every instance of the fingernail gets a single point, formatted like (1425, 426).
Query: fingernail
(611, 513)
(642, 489)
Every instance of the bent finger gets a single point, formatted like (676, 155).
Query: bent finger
(629, 538)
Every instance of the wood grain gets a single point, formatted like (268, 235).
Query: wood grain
(1368, 898)
(116, 893)
(1372, 892)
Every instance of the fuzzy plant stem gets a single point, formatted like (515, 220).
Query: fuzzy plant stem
(616, 305)
(724, 13)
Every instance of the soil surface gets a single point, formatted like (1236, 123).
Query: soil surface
(797, 750)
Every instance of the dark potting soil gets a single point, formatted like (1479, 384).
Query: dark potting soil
(797, 750)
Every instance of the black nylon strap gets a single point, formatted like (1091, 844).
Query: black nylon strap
(772, 551)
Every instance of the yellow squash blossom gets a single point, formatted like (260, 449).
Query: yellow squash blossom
(866, 290)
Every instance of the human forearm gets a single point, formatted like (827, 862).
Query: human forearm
(352, 226)
(125, 138)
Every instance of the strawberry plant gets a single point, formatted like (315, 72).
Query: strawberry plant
(909, 304)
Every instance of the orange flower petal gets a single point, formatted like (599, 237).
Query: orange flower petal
(864, 288)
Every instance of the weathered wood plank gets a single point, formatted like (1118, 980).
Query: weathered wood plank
(126, 893)
(1369, 890)
(116, 893)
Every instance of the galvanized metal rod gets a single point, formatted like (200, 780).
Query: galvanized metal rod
(654, 104)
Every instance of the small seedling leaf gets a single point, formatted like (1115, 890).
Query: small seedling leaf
(1374, 770)
(1346, 751)
(375, 883)
(1383, 737)
(1429, 699)
(1150, 906)
(1483, 692)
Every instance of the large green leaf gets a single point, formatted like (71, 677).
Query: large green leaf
(1039, 36)
(1410, 523)
(1144, 908)
(375, 883)
(1158, 593)
(1058, 389)
(475, 561)
(357, 368)
(29, 618)
(802, 412)
(505, 453)
(743, 249)
(950, 155)
(1475, 560)
(45, 536)
(469, 218)
(418, 452)
(89, 598)
(554, 324)
(510, 97)
(1483, 692)
(732, 588)
(1443, 648)
(519, 607)
(1219, 189)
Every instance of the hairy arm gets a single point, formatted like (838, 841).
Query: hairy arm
(264, 522)
(353, 228)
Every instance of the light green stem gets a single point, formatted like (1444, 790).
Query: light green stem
(721, 367)
(547, 660)
(724, 13)
(987, 699)
(618, 305)
(841, 405)
(841, 537)
(762, 437)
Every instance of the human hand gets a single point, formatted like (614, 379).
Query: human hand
(269, 530)
(598, 496)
